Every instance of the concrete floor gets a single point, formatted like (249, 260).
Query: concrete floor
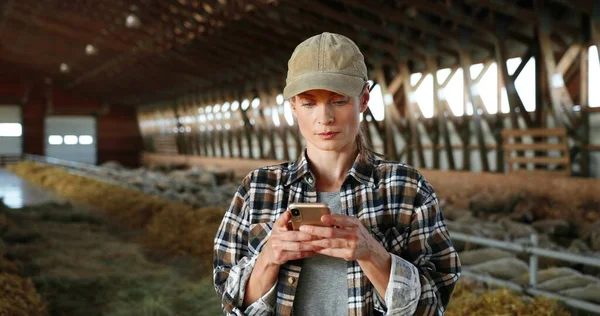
(16, 192)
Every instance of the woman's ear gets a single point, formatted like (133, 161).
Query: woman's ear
(364, 99)
(293, 106)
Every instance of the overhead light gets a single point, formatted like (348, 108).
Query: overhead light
(90, 50)
(279, 99)
(64, 68)
(132, 21)
(255, 103)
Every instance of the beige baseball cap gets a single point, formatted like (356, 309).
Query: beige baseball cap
(326, 61)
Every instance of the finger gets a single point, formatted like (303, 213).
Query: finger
(339, 220)
(294, 246)
(342, 253)
(325, 232)
(281, 222)
(296, 236)
(328, 243)
(295, 255)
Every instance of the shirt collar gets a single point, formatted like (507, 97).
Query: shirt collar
(361, 171)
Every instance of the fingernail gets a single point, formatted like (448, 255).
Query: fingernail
(303, 228)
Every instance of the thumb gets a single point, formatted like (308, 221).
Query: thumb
(282, 221)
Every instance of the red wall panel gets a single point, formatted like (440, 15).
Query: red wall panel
(117, 138)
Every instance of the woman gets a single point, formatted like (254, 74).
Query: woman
(386, 249)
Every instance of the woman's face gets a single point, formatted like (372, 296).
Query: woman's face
(327, 120)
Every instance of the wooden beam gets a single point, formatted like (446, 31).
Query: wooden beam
(465, 61)
(367, 25)
(562, 104)
(535, 132)
(440, 121)
(480, 28)
(568, 58)
(513, 97)
(395, 15)
(521, 14)
(413, 112)
(389, 143)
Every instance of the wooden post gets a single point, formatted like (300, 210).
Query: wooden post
(438, 116)
(388, 139)
(414, 112)
(248, 129)
(465, 61)
(584, 95)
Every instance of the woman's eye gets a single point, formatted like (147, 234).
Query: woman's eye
(308, 104)
(341, 102)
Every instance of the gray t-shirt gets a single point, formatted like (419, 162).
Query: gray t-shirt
(323, 284)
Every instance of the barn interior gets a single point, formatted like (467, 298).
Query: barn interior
(126, 127)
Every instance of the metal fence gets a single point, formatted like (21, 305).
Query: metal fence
(534, 253)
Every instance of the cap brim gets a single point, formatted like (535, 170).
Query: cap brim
(345, 85)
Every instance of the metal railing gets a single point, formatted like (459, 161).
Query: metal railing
(534, 253)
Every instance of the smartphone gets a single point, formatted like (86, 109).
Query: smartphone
(308, 214)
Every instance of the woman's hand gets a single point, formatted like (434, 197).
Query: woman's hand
(285, 244)
(347, 238)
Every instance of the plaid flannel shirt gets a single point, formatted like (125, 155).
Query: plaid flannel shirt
(394, 202)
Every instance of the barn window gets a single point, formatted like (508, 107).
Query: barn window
(10, 130)
(55, 140)
(86, 139)
(70, 140)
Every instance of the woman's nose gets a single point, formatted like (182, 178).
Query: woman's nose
(326, 115)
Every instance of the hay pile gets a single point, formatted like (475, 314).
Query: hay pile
(17, 294)
(171, 225)
(467, 300)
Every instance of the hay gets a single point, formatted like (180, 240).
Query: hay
(468, 301)
(18, 297)
(170, 225)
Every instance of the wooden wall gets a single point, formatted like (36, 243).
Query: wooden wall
(118, 136)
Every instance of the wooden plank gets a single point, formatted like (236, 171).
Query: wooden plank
(536, 147)
(540, 160)
(568, 58)
(542, 173)
(535, 132)
(593, 147)
(592, 110)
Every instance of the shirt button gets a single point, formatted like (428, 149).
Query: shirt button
(291, 280)
(310, 180)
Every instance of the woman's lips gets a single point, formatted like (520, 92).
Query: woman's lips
(327, 135)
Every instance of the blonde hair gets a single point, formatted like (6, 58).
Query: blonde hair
(364, 146)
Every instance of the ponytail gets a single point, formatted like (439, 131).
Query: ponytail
(363, 145)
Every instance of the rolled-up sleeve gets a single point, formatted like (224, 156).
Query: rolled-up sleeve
(425, 265)
(403, 289)
(233, 262)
